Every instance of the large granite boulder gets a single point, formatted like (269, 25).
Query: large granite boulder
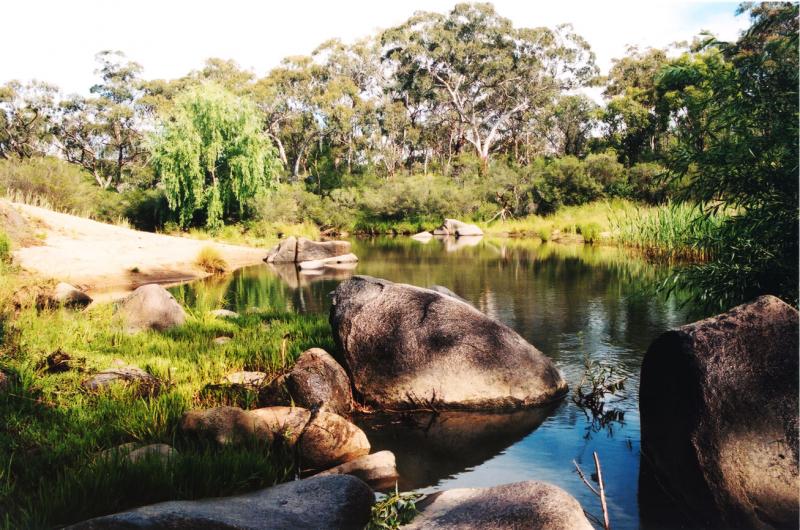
(316, 381)
(150, 307)
(323, 439)
(296, 250)
(530, 505)
(405, 347)
(454, 227)
(719, 414)
(335, 501)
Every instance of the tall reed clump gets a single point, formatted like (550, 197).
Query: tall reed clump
(210, 260)
(671, 232)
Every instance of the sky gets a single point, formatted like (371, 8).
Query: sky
(56, 40)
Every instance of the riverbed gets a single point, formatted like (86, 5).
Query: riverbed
(575, 303)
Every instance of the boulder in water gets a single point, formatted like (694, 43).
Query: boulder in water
(531, 505)
(719, 402)
(405, 347)
(454, 227)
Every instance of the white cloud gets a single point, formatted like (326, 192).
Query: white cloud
(56, 40)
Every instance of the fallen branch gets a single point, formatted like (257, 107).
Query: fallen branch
(601, 493)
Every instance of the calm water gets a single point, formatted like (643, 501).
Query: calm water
(569, 301)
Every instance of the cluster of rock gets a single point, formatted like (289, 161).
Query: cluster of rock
(312, 255)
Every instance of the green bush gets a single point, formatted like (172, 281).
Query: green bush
(50, 182)
(590, 232)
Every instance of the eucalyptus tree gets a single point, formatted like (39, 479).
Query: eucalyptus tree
(26, 118)
(484, 69)
(211, 155)
(632, 120)
(103, 133)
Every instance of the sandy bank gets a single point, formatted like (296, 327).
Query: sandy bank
(106, 258)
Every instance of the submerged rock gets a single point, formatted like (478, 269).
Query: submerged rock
(530, 505)
(142, 382)
(453, 227)
(316, 381)
(150, 307)
(338, 501)
(378, 470)
(323, 439)
(408, 348)
(719, 402)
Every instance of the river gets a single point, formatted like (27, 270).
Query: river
(573, 302)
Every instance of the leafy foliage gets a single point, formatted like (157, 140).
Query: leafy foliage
(211, 154)
(393, 510)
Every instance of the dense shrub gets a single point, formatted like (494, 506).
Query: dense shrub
(647, 183)
(49, 181)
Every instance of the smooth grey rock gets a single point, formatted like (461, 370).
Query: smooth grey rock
(336, 502)
(530, 505)
(422, 237)
(378, 470)
(454, 227)
(308, 250)
(316, 381)
(150, 307)
(324, 439)
(224, 313)
(132, 454)
(719, 402)
(408, 348)
(334, 261)
(142, 382)
(70, 296)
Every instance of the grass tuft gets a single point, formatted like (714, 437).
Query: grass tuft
(210, 260)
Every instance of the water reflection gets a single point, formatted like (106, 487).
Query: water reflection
(571, 302)
(431, 447)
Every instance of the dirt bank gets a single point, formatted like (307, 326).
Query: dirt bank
(106, 258)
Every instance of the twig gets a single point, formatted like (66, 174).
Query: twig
(583, 478)
(606, 524)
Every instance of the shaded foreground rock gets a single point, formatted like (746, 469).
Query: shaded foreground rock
(454, 227)
(719, 402)
(296, 250)
(132, 454)
(378, 470)
(142, 382)
(316, 381)
(408, 348)
(150, 307)
(324, 440)
(531, 505)
(336, 502)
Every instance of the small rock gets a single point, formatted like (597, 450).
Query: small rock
(378, 470)
(530, 505)
(224, 313)
(144, 383)
(150, 307)
(423, 237)
(70, 296)
(453, 227)
(56, 362)
(328, 262)
(254, 379)
(324, 439)
(339, 501)
(316, 381)
(128, 452)
(222, 340)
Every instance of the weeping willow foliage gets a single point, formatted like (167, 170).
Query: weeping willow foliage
(211, 154)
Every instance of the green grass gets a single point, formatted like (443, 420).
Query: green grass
(672, 232)
(5, 247)
(254, 234)
(54, 429)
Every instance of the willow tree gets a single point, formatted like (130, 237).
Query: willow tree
(211, 154)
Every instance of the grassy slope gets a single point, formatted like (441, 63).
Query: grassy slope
(49, 473)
